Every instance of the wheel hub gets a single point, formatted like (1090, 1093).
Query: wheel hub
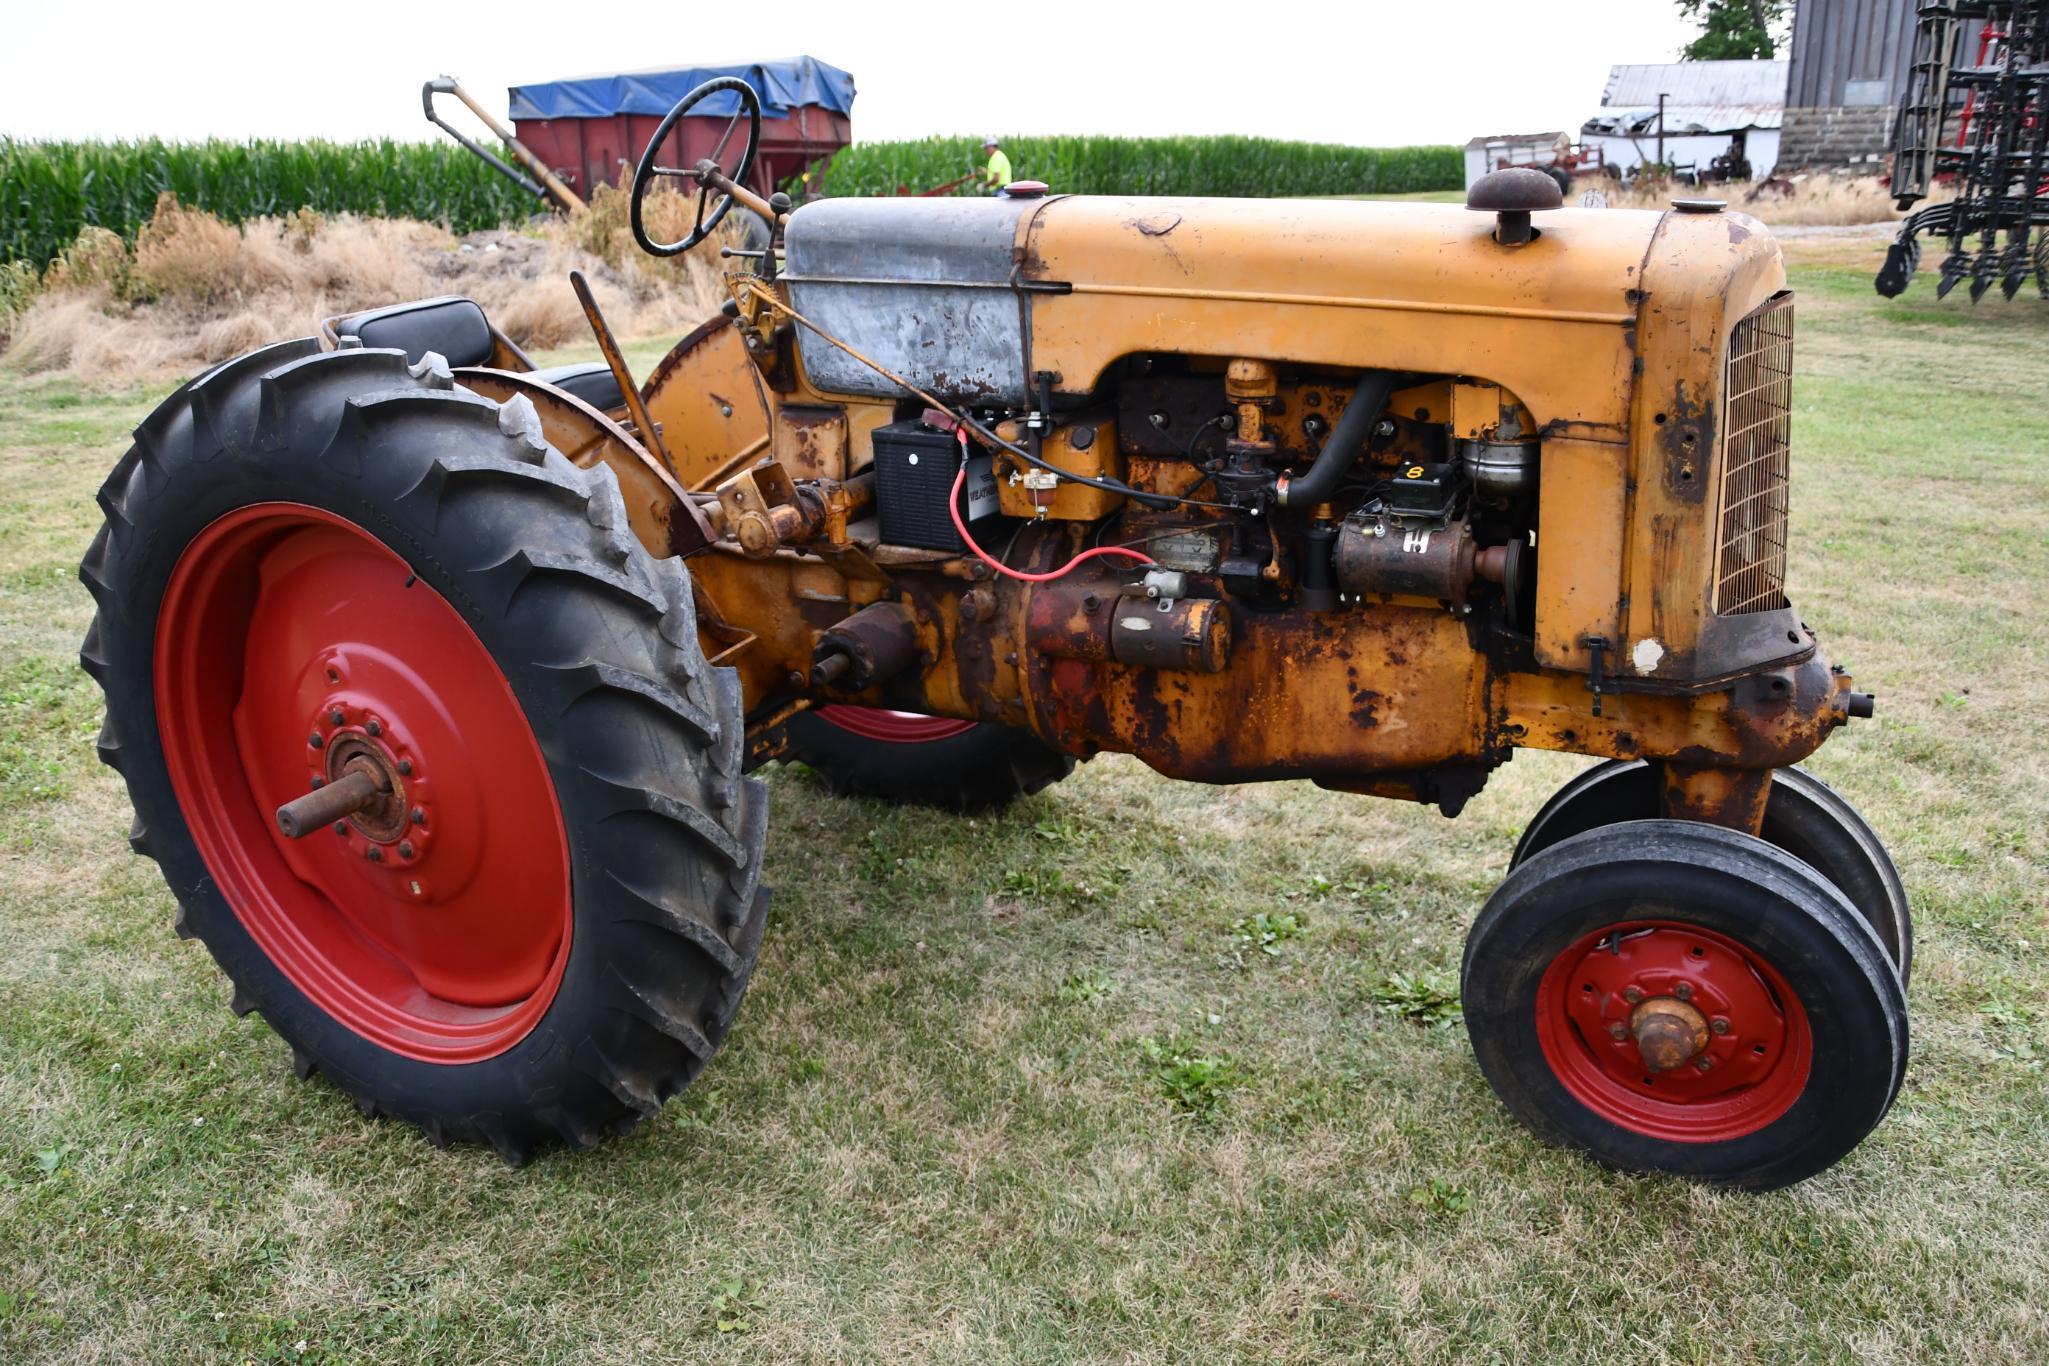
(1673, 1030)
(1669, 1033)
(349, 737)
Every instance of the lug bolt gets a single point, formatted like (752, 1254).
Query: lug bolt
(374, 726)
(337, 716)
(316, 739)
(1719, 1025)
(374, 854)
(1684, 991)
(405, 768)
(418, 815)
(318, 782)
(1703, 1063)
(1632, 994)
(405, 848)
(1618, 1031)
(341, 828)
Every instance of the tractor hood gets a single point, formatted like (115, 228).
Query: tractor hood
(970, 298)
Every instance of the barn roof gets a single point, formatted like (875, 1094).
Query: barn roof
(1700, 97)
(1698, 83)
(1493, 139)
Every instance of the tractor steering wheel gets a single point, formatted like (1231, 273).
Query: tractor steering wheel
(709, 173)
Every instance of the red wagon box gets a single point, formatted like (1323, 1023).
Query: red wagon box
(589, 131)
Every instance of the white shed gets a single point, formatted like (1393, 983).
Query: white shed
(1710, 109)
(1496, 150)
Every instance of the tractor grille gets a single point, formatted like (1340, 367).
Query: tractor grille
(1750, 574)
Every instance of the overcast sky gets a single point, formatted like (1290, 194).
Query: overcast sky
(1373, 72)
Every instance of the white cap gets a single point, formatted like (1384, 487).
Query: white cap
(991, 141)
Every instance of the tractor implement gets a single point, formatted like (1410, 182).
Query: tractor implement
(1975, 119)
(436, 679)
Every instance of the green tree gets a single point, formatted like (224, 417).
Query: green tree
(1733, 30)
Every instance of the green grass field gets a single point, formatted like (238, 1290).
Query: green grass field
(1016, 1089)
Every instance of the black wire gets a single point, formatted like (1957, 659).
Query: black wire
(1222, 419)
(1152, 500)
(1208, 476)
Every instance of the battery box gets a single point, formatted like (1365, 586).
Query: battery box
(914, 470)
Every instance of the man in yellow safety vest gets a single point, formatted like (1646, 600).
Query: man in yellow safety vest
(997, 173)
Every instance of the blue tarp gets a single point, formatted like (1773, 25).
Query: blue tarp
(782, 86)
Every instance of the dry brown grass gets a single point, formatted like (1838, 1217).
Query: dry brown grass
(1798, 200)
(195, 290)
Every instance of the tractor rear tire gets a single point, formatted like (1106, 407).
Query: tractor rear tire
(543, 928)
(960, 766)
(1669, 996)
(1803, 816)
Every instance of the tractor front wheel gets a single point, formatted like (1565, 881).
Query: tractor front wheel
(423, 742)
(1668, 996)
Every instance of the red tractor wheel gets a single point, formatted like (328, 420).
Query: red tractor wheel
(423, 742)
(1673, 997)
(921, 760)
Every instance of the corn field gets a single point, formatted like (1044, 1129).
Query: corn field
(49, 190)
(1236, 167)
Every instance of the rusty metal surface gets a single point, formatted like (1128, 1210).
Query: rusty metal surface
(708, 399)
(665, 518)
(356, 790)
(1184, 633)
(1399, 558)
(1597, 347)
(872, 646)
(1669, 1032)
(1086, 446)
(608, 346)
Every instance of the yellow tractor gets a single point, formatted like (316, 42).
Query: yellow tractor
(435, 678)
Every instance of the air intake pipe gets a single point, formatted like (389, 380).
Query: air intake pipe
(1369, 403)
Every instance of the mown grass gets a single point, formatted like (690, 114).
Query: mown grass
(1032, 1087)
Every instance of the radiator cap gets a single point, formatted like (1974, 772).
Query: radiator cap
(1700, 205)
(1025, 189)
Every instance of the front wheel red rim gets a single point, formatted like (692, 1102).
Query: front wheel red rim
(1744, 1069)
(895, 727)
(291, 641)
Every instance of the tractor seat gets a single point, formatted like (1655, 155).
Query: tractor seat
(456, 327)
(452, 325)
(589, 380)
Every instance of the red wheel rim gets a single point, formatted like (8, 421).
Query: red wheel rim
(897, 727)
(437, 925)
(1757, 1049)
